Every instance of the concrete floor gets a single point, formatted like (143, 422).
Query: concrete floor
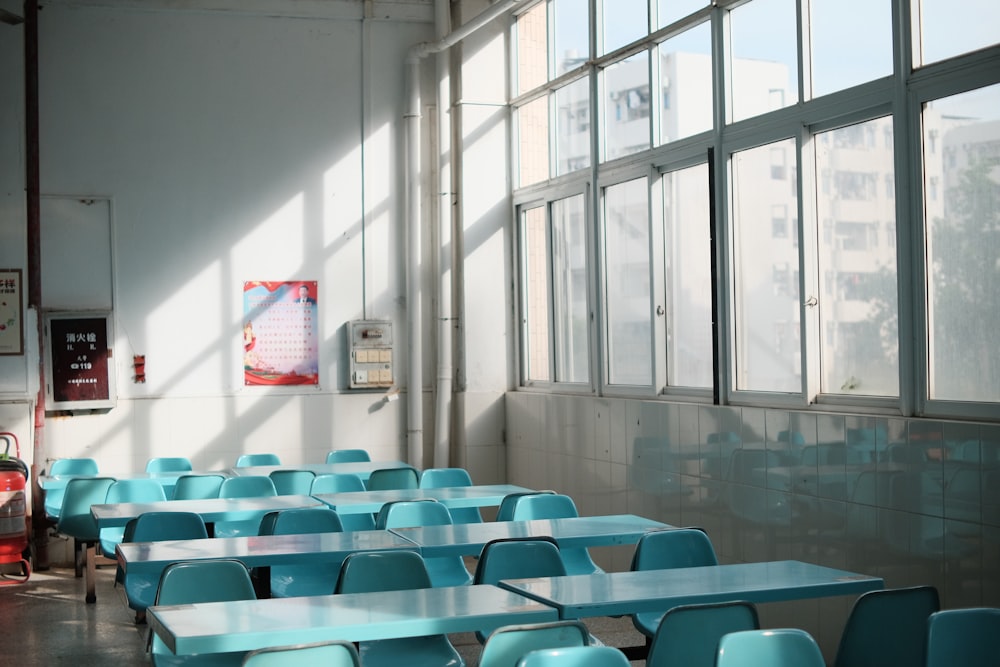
(45, 621)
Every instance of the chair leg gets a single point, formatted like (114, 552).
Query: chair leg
(91, 579)
(77, 558)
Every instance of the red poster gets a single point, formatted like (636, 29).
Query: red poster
(280, 333)
(79, 359)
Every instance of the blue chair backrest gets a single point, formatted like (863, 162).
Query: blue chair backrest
(348, 456)
(575, 656)
(517, 558)
(888, 627)
(681, 547)
(393, 478)
(545, 506)
(689, 635)
(506, 510)
(324, 654)
(197, 487)
(292, 482)
(783, 647)
(302, 520)
(337, 483)
(250, 486)
(135, 491)
(408, 513)
(73, 466)
(159, 526)
(246, 460)
(382, 571)
(436, 478)
(75, 518)
(967, 637)
(168, 464)
(507, 644)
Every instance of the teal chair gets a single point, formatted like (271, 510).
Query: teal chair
(436, 478)
(557, 506)
(292, 482)
(667, 549)
(506, 645)
(197, 487)
(250, 486)
(168, 464)
(689, 634)
(785, 647)
(71, 466)
(247, 460)
(348, 456)
(302, 580)
(76, 521)
(344, 483)
(967, 637)
(127, 491)
(575, 656)
(888, 627)
(393, 478)
(140, 587)
(443, 570)
(322, 654)
(191, 582)
(395, 571)
(505, 512)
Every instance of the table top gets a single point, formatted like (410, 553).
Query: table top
(370, 502)
(468, 539)
(211, 509)
(258, 550)
(216, 627)
(620, 593)
(362, 469)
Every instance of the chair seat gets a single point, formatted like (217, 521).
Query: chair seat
(431, 651)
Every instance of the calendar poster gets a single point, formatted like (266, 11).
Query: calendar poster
(280, 333)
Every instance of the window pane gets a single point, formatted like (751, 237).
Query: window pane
(536, 294)
(949, 29)
(572, 43)
(961, 152)
(626, 112)
(857, 261)
(685, 84)
(532, 53)
(870, 54)
(766, 290)
(669, 11)
(533, 141)
(626, 260)
(573, 127)
(569, 294)
(624, 21)
(764, 68)
(689, 277)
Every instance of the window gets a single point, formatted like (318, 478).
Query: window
(536, 304)
(862, 22)
(626, 107)
(944, 32)
(572, 144)
(569, 293)
(764, 70)
(685, 72)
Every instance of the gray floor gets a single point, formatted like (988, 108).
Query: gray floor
(46, 622)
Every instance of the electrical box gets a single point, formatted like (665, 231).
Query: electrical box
(371, 354)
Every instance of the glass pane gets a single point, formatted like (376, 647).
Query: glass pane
(572, 42)
(669, 11)
(623, 22)
(766, 290)
(857, 260)
(689, 277)
(764, 68)
(572, 147)
(533, 141)
(685, 84)
(626, 260)
(532, 55)
(961, 152)
(949, 29)
(626, 107)
(569, 293)
(870, 54)
(536, 294)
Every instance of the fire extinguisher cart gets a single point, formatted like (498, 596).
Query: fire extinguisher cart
(13, 518)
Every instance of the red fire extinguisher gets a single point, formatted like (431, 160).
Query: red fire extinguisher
(13, 524)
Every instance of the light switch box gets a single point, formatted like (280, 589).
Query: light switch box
(371, 354)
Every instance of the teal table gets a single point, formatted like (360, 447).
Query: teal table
(362, 469)
(168, 480)
(211, 509)
(468, 539)
(622, 593)
(219, 627)
(370, 502)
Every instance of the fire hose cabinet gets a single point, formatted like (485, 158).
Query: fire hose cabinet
(371, 354)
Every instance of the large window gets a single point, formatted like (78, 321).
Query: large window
(786, 202)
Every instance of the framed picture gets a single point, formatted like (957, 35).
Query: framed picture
(79, 364)
(280, 333)
(11, 312)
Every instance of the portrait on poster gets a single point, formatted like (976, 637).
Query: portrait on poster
(11, 312)
(280, 333)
